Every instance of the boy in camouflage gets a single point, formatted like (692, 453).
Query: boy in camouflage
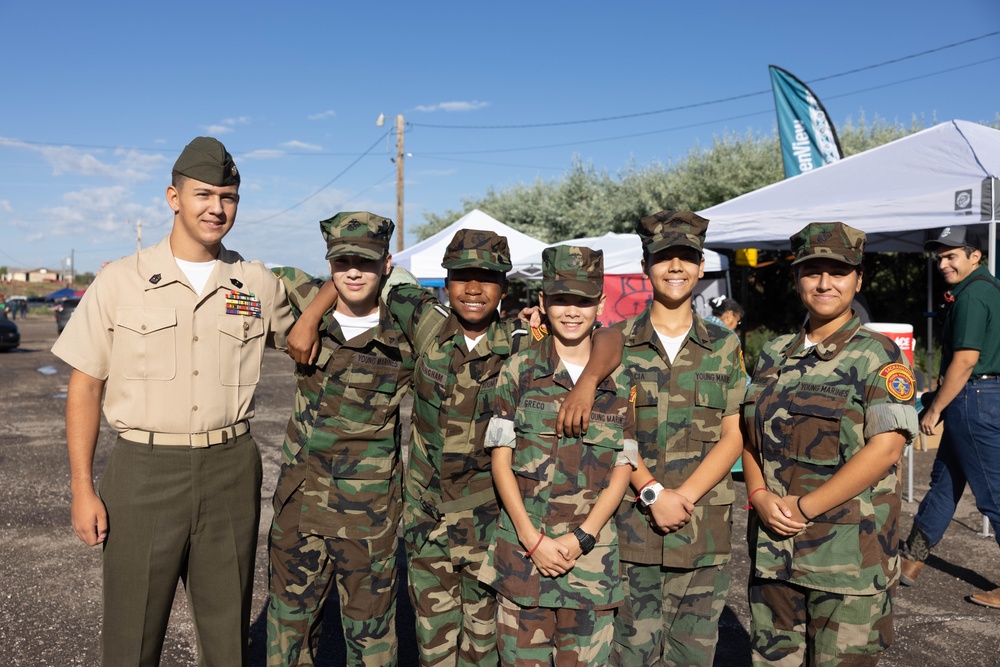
(553, 559)
(337, 500)
(674, 535)
(827, 416)
(449, 504)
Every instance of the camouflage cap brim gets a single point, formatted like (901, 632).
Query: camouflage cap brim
(353, 248)
(584, 288)
(837, 257)
(674, 240)
(486, 261)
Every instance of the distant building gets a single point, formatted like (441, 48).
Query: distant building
(41, 275)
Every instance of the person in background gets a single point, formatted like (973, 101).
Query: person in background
(826, 419)
(968, 399)
(726, 312)
(172, 338)
(553, 560)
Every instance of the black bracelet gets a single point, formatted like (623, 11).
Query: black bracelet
(798, 503)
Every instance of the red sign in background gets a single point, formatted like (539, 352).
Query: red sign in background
(626, 296)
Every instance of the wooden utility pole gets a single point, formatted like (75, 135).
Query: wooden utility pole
(399, 183)
(138, 234)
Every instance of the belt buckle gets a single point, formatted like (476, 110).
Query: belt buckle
(199, 440)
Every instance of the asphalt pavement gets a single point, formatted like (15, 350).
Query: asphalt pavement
(50, 583)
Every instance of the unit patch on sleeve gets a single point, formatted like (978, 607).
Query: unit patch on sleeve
(899, 381)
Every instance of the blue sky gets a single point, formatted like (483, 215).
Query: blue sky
(99, 98)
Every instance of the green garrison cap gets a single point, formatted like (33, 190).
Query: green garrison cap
(828, 240)
(477, 249)
(568, 269)
(672, 228)
(357, 233)
(205, 159)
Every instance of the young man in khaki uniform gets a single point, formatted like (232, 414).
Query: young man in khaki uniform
(174, 337)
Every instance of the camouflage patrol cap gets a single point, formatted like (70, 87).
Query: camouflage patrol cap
(829, 240)
(357, 233)
(672, 228)
(205, 159)
(477, 249)
(568, 269)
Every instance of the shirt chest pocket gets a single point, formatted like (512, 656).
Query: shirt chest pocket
(429, 384)
(706, 415)
(814, 428)
(241, 349)
(146, 343)
(536, 435)
(369, 397)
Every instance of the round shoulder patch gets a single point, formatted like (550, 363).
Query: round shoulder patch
(899, 381)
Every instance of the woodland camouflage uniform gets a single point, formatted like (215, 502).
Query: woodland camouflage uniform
(808, 411)
(675, 585)
(337, 502)
(450, 506)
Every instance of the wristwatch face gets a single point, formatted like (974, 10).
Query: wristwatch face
(649, 496)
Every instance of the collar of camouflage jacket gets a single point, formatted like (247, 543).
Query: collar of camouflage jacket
(642, 332)
(826, 349)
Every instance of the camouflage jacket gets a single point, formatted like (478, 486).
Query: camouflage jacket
(342, 444)
(679, 408)
(449, 477)
(559, 479)
(808, 411)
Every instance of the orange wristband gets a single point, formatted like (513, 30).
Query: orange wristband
(537, 544)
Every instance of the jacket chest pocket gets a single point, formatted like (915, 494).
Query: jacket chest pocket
(814, 428)
(536, 434)
(429, 384)
(145, 343)
(241, 348)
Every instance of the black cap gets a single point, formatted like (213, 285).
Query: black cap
(958, 236)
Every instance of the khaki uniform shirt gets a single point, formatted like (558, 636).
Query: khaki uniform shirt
(679, 408)
(808, 411)
(176, 361)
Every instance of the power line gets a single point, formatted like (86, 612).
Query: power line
(696, 105)
(324, 186)
(703, 123)
(347, 201)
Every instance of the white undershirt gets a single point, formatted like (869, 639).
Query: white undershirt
(355, 326)
(808, 342)
(470, 343)
(672, 344)
(574, 370)
(197, 273)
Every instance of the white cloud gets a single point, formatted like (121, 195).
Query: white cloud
(322, 115)
(263, 154)
(5, 206)
(301, 146)
(217, 129)
(132, 166)
(454, 106)
(242, 120)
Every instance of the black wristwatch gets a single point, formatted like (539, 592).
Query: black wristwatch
(586, 540)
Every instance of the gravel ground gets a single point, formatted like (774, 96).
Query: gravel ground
(50, 584)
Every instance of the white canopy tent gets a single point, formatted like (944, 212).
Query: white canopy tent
(423, 260)
(944, 175)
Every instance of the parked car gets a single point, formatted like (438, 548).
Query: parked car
(10, 337)
(63, 310)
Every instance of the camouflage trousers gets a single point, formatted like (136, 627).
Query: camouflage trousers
(542, 636)
(792, 625)
(456, 614)
(670, 616)
(303, 569)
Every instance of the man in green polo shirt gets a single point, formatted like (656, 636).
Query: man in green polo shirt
(968, 398)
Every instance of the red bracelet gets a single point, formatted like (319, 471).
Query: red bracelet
(651, 482)
(748, 505)
(537, 544)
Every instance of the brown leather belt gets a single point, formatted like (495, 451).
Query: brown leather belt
(219, 436)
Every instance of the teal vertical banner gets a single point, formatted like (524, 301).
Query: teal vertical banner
(808, 138)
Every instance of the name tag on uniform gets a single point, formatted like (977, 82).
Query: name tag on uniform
(238, 303)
